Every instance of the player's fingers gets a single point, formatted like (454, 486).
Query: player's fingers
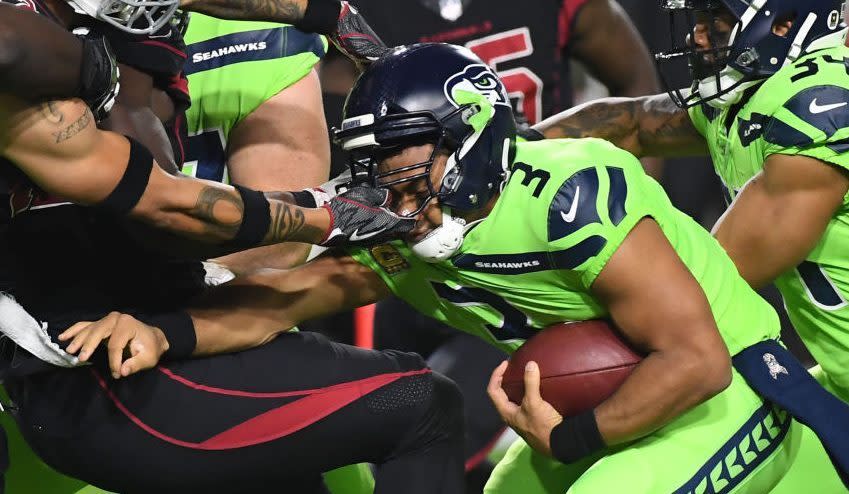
(75, 344)
(141, 359)
(73, 330)
(494, 385)
(117, 344)
(502, 403)
(94, 339)
(82, 332)
(532, 379)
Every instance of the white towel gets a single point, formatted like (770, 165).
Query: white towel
(19, 326)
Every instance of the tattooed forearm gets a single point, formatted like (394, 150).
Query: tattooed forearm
(646, 126)
(286, 222)
(222, 211)
(667, 130)
(51, 113)
(611, 119)
(75, 128)
(285, 11)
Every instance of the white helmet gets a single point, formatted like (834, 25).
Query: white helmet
(131, 16)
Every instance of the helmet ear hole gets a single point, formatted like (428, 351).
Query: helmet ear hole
(783, 23)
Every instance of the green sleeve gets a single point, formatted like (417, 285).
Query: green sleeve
(699, 119)
(790, 136)
(385, 260)
(611, 199)
(288, 70)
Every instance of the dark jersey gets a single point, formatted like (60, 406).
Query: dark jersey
(527, 44)
(66, 263)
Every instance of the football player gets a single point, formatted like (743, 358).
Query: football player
(532, 49)
(237, 131)
(769, 105)
(512, 237)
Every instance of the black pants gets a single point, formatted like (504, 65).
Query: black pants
(465, 359)
(268, 420)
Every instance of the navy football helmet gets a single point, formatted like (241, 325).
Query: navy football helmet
(753, 51)
(432, 93)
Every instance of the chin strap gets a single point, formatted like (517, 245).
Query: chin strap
(727, 91)
(445, 240)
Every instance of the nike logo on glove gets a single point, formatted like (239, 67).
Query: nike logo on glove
(573, 211)
(816, 108)
(356, 237)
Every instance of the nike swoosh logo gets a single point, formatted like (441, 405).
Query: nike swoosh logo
(816, 108)
(356, 237)
(573, 211)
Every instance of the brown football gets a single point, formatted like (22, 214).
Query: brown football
(581, 364)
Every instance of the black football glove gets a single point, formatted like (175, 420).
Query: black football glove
(359, 217)
(99, 83)
(356, 39)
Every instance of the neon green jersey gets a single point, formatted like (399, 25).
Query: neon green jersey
(233, 67)
(802, 110)
(566, 209)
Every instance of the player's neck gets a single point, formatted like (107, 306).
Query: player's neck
(479, 214)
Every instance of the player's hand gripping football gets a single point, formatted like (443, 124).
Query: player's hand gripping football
(356, 39)
(534, 418)
(132, 345)
(359, 216)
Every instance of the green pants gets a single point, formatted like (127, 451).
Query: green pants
(732, 443)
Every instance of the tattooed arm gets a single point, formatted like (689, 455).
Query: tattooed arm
(58, 146)
(645, 126)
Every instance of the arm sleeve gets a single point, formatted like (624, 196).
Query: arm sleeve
(699, 119)
(594, 210)
(815, 123)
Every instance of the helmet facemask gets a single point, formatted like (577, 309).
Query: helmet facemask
(709, 68)
(460, 133)
(370, 144)
(766, 35)
(441, 95)
(132, 16)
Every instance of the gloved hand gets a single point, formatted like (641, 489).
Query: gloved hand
(359, 217)
(316, 197)
(356, 39)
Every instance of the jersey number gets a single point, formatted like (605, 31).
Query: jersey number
(520, 82)
(531, 175)
(810, 67)
(514, 323)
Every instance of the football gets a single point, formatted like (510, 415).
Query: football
(581, 364)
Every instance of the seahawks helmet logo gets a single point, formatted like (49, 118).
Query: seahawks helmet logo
(477, 78)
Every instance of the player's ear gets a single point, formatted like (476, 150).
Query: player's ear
(783, 23)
